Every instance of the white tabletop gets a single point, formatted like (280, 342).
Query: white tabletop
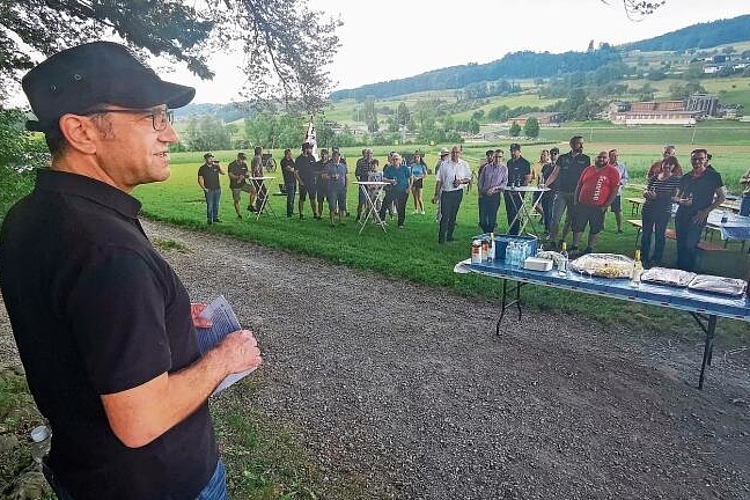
(372, 183)
(527, 189)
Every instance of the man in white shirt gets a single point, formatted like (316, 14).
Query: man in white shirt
(453, 175)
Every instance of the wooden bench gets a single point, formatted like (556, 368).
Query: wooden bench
(635, 205)
(704, 245)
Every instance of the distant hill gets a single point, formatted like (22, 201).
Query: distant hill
(698, 36)
(528, 64)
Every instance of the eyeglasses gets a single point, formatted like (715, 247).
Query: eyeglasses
(159, 118)
(698, 158)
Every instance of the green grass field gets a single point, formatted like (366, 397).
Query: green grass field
(263, 464)
(180, 201)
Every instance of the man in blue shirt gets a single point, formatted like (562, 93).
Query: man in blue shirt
(400, 179)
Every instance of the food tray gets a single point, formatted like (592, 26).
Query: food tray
(555, 257)
(667, 276)
(604, 265)
(717, 284)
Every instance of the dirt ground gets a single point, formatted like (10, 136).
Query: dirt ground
(408, 389)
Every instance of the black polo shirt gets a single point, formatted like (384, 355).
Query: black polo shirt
(518, 170)
(286, 165)
(236, 168)
(96, 310)
(305, 166)
(701, 188)
(570, 170)
(210, 174)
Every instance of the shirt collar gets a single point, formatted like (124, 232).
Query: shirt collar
(79, 185)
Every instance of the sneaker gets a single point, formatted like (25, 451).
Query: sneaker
(239, 216)
(251, 208)
(422, 212)
(401, 226)
(217, 220)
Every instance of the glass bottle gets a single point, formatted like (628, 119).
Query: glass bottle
(562, 267)
(635, 277)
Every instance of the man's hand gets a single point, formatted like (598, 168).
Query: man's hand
(196, 309)
(239, 351)
(700, 217)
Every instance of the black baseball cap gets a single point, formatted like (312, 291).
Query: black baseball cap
(515, 147)
(78, 79)
(554, 151)
(242, 156)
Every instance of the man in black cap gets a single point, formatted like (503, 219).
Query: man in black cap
(304, 164)
(208, 180)
(238, 176)
(519, 175)
(104, 327)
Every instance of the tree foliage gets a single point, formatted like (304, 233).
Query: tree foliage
(277, 37)
(531, 127)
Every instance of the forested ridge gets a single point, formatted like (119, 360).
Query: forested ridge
(527, 64)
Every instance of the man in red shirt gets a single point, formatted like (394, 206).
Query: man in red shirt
(597, 189)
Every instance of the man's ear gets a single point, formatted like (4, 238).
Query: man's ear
(80, 132)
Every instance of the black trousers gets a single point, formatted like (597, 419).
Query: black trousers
(399, 197)
(449, 203)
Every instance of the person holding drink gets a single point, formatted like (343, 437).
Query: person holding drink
(335, 174)
(492, 181)
(699, 193)
(657, 210)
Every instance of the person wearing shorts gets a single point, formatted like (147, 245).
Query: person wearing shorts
(564, 178)
(418, 170)
(238, 175)
(304, 165)
(624, 178)
(321, 181)
(596, 190)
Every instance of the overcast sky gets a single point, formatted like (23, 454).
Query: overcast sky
(392, 39)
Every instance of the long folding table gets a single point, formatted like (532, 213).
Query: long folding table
(705, 308)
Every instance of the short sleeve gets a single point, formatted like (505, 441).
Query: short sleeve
(117, 310)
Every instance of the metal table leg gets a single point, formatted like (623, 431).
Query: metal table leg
(709, 328)
(507, 304)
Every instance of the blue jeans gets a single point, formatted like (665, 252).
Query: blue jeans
(215, 489)
(291, 191)
(212, 205)
(488, 206)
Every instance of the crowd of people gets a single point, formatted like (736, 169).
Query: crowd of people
(570, 192)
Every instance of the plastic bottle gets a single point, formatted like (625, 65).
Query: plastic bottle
(562, 267)
(635, 277)
(491, 256)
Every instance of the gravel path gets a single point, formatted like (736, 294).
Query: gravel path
(422, 401)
